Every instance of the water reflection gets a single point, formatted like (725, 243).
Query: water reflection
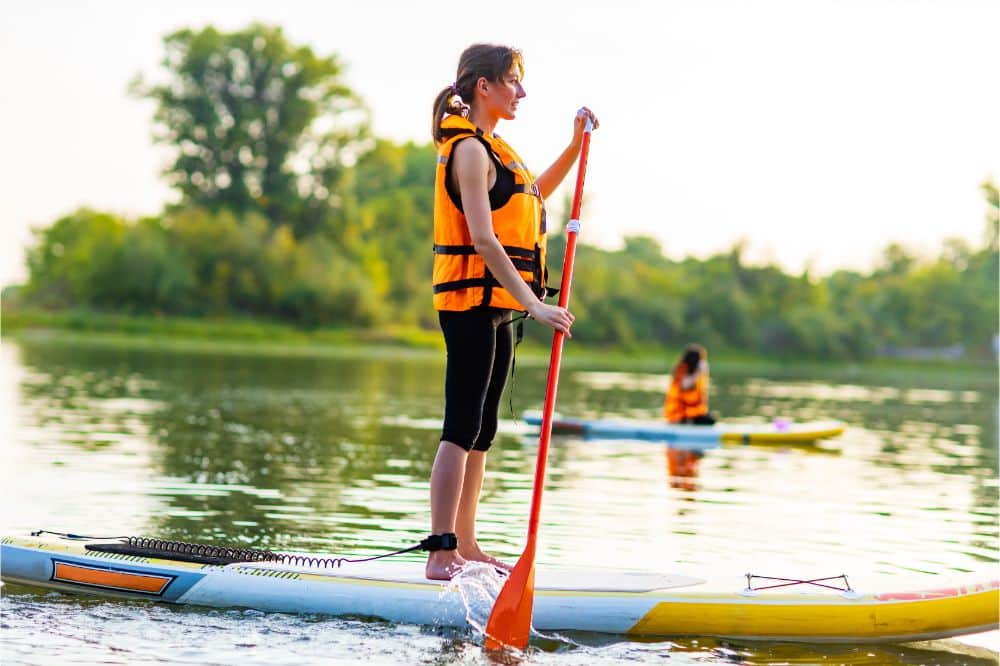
(682, 467)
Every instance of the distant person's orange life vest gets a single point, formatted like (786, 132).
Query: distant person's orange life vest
(682, 404)
(461, 277)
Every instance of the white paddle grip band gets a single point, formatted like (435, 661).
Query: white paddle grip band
(573, 225)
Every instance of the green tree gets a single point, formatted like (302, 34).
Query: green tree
(258, 125)
(97, 259)
(394, 190)
(73, 261)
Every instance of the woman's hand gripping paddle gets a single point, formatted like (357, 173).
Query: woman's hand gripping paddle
(510, 622)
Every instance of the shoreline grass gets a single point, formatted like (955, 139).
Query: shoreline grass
(238, 335)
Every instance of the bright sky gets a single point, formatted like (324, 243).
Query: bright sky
(818, 130)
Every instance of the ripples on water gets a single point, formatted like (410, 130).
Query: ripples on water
(334, 454)
(49, 628)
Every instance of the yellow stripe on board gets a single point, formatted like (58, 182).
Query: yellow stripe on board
(779, 437)
(863, 620)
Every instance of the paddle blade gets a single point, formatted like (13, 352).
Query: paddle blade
(510, 622)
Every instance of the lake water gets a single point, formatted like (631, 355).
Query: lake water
(332, 453)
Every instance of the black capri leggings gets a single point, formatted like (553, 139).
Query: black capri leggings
(480, 345)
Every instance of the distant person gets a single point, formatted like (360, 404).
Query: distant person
(687, 397)
(489, 261)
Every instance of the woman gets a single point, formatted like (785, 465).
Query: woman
(489, 261)
(687, 397)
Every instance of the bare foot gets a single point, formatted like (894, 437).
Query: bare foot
(443, 564)
(475, 554)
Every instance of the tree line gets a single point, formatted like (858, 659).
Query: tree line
(290, 209)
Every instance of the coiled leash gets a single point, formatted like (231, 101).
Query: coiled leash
(222, 555)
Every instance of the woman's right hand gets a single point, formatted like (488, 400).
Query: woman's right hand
(552, 315)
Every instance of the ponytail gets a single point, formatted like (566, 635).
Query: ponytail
(448, 102)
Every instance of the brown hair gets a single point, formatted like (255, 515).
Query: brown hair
(489, 61)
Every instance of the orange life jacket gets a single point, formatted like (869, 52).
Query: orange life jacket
(682, 404)
(461, 278)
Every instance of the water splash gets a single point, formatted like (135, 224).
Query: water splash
(478, 584)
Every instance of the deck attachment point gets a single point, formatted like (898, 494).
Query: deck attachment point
(788, 582)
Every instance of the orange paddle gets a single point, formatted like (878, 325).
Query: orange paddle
(510, 622)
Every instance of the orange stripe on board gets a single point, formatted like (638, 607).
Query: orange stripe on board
(118, 580)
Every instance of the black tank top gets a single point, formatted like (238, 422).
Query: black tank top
(500, 193)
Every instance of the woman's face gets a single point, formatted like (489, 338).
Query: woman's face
(502, 96)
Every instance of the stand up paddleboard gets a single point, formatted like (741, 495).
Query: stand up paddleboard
(736, 605)
(779, 432)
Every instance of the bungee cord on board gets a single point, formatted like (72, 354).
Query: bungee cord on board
(222, 555)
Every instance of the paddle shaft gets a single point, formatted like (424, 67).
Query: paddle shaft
(509, 623)
(555, 358)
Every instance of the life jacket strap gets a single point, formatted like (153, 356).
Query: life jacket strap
(454, 249)
(488, 282)
(511, 250)
(522, 258)
(451, 132)
(468, 283)
(525, 188)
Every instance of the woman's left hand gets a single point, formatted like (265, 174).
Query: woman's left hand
(579, 122)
